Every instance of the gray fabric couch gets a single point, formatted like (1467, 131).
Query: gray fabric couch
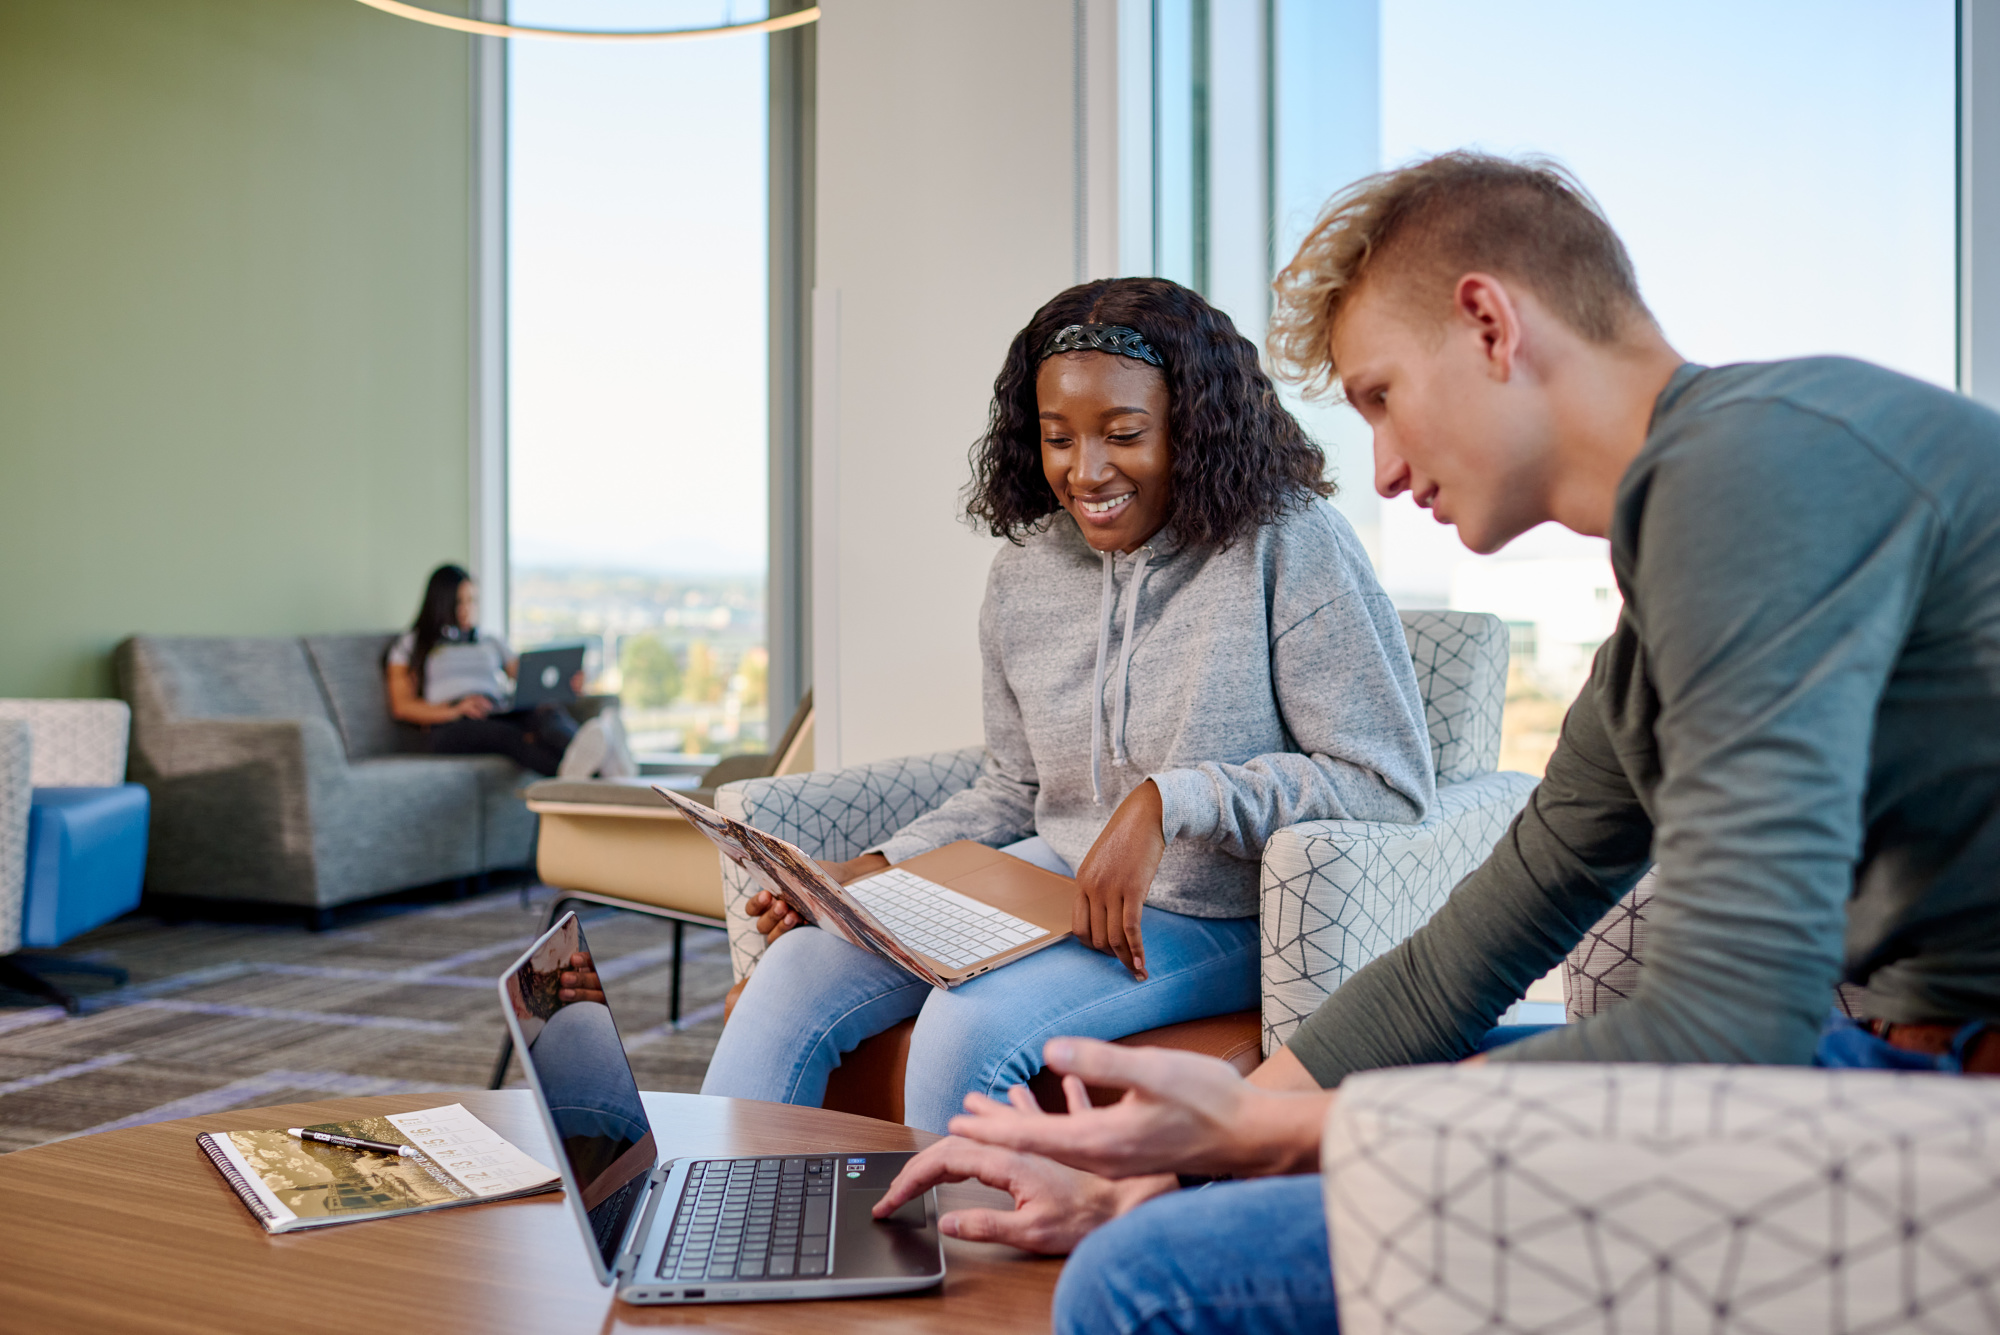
(278, 775)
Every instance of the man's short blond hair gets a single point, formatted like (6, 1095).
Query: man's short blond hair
(1426, 225)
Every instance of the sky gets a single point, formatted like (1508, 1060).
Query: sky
(637, 291)
(1782, 172)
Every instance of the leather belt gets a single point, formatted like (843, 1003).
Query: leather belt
(1979, 1057)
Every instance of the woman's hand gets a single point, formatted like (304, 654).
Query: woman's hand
(472, 706)
(774, 918)
(1115, 876)
(579, 982)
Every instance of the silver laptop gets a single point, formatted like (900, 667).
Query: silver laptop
(694, 1230)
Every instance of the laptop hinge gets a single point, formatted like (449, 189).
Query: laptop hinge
(642, 1226)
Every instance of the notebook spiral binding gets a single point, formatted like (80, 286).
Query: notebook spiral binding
(238, 1183)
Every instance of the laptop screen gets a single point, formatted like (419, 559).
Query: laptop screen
(576, 1060)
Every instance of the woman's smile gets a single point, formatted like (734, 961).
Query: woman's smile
(1101, 511)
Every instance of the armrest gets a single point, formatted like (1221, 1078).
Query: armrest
(833, 815)
(1595, 1197)
(1337, 893)
(82, 742)
(234, 797)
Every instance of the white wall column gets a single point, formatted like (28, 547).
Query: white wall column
(947, 213)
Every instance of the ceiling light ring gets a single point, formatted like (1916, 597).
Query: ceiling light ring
(480, 28)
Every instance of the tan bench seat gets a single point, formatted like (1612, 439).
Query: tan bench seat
(619, 838)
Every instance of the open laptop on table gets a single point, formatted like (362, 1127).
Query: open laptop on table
(697, 1230)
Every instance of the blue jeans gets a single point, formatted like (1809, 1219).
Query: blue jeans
(1233, 1256)
(815, 997)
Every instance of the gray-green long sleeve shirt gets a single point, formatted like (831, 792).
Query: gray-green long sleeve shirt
(1798, 717)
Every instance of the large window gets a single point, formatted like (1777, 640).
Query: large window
(1783, 172)
(638, 350)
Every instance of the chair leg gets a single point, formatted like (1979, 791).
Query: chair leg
(63, 964)
(18, 976)
(500, 1066)
(674, 999)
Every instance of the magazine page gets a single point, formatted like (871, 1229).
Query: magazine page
(302, 1184)
(803, 885)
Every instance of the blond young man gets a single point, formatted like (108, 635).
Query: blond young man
(1798, 717)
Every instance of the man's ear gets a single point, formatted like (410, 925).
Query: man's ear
(1483, 304)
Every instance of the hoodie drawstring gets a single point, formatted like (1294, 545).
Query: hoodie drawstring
(1097, 682)
(1125, 658)
(1106, 606)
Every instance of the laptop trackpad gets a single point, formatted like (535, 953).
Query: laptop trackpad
(906, 1243)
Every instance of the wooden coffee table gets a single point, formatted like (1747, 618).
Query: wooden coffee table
(134, 1231)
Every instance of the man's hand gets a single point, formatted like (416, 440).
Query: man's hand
(579, 982)
(473, 706)
(1181, 1113)
(1115, 876)
(774, 918)
(1054, 1206)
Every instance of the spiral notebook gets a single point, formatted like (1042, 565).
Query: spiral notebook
(291, 1184)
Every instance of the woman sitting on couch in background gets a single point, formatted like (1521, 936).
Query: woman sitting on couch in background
(1185, 651)
(457, 684)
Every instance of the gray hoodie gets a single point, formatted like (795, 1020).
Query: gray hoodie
(1257, 687)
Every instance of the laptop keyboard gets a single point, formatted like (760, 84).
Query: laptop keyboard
(752, 1219)
(953, 929)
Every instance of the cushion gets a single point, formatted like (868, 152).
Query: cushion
(86, 860)
(633, 792)
(185, 676)
(349, 668)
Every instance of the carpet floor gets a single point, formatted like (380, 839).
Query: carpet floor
(397, 999)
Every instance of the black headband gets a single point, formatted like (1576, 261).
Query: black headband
(1112, 338)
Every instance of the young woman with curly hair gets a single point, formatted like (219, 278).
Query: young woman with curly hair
(1185, 650)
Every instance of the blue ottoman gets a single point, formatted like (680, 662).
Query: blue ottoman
(86, 860)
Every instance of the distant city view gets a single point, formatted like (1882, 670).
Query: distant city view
(685, 654)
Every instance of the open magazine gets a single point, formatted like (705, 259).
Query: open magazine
(288, 1183)
(801, 883)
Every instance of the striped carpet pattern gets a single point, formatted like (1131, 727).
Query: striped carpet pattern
(222, 1015)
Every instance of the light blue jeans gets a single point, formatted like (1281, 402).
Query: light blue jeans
(815, 997)
(1230, 1257)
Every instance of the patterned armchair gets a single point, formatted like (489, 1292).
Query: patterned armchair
(1335, 893)
(1598, 1198)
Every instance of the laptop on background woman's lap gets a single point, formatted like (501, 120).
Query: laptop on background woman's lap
(752, 1229)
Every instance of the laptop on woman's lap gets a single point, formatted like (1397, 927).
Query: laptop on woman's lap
(752, 1229)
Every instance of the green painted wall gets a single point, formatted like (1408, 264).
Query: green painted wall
(234, 322)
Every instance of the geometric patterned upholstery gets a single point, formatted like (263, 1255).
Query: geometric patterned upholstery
(1335, 894)
(833, 815)
(16, 797)
(1603, 969)
(1461, 662)
(1583, 1197)
(1338, 893)
(78, 743)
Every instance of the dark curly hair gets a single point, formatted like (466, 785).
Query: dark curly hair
(1240, 460)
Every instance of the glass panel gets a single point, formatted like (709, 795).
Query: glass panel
(1783, 173)
(638, 363)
